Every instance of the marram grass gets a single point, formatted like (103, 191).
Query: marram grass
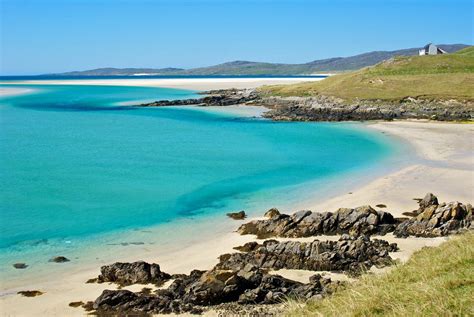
(437, 281)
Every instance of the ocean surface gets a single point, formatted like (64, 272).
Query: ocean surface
(78, 165)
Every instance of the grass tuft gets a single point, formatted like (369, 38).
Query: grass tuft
(434, 282)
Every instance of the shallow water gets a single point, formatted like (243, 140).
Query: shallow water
(77, 165)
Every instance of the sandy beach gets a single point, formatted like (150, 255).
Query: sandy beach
(445, 167)
(6, 91)
(180, 83)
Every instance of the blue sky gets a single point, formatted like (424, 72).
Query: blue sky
(61, 35)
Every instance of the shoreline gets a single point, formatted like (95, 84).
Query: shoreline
(179, 83)
(446, 158)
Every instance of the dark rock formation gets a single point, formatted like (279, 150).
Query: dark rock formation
(349, 254)
(435, 220)
(224, 97)
(361, 220)
(76, 304)
(193, 293)
(240, 215)
(59, 259)
(243, 277)
(30, 293)
(132, 273)
(324, 108)
(272, 213)
(20, 265)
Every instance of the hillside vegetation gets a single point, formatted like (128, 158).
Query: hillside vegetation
(434, 282)
(449, 76)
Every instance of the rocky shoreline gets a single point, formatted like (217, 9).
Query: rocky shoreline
(244, 280)
(325, 108)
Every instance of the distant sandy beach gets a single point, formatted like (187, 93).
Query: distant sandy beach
(180, 83)
(445, 167)
(4, 91)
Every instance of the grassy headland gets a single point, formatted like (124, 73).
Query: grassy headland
(434, 282)
(443, 77)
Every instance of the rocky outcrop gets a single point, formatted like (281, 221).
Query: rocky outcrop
(132, 273)
(224, 97)
(361, 220)
(349, 254)
(195, 292)
(240, 215)
(436, 220)
(243, 277)
(325, 108)
(30, 293)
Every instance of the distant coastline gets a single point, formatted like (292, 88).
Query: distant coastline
(250, 69)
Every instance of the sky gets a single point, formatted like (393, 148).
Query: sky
(44, 36)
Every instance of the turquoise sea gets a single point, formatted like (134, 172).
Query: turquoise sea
(77, 163)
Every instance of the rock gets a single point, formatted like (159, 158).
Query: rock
(433, 219)
(381, 206)
(327, 108)
(237, 215)
(59, 259)
(428, 200)
(222, 97)
(132, 273)
(194, 292)
(30, 293)
(272, 213)
(76, 304)
(20, 265)
(92, 280)
(348, 254)
(249, 246)
(361, 220)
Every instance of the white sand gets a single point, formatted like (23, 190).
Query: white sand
(446, 169)
(4, 91)
(181, 83)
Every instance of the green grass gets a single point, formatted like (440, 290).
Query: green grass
(449, 76)
(468, 51)
(434, 282)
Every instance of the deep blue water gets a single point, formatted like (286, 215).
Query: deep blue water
(76, 163)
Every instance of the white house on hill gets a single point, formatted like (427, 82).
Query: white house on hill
(431, 49)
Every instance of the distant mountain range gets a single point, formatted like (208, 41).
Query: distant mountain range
(336, 64)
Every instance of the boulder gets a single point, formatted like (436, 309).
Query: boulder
(240, 215)
(435, 220)
(272, 213)
(20, 265)
(132, 273)
(59, 259)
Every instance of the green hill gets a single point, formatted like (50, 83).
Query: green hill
(439, 77)
(468, 51)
